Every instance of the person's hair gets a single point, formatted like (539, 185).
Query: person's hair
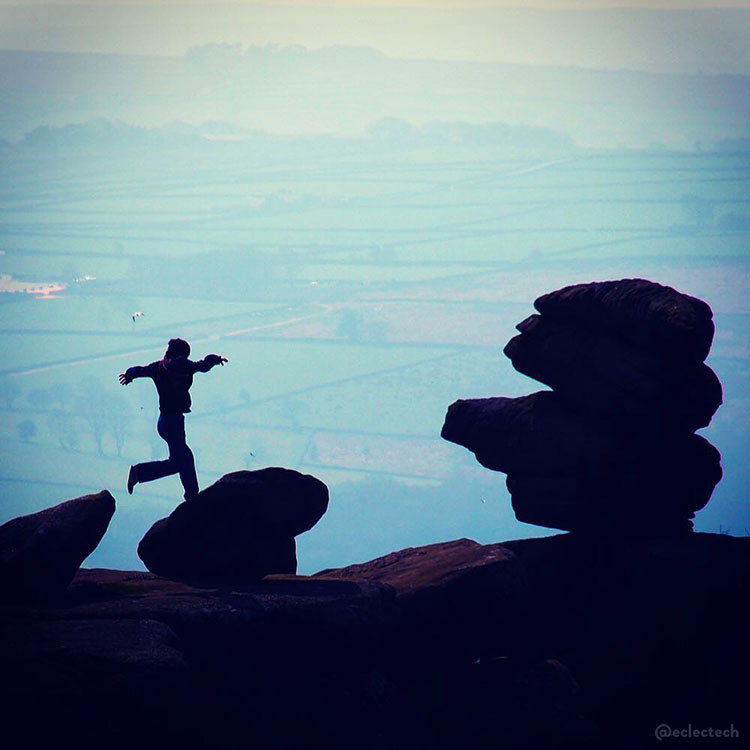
(177, 348)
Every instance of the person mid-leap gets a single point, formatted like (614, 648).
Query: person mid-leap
(173, 377)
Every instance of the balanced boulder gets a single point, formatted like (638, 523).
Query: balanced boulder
(611, 448)
(40, 553)
(241, 528)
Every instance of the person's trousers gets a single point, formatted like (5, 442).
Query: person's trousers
(171, 428)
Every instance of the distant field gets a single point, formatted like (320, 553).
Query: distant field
(101, 313)
(451, 208)
(424, 263)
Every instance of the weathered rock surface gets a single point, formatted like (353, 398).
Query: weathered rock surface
(610, 377)
(452, 596)
(655, 318)
(41, 552)
(241, 528)
(427, 578)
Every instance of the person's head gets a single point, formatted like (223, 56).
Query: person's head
(177, 348)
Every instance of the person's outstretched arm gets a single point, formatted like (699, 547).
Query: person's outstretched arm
(137, 372)
(209, 361)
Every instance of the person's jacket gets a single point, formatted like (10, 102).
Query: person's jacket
(173, 378)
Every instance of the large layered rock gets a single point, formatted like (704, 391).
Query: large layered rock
(241, 528)
(612, 446)
(41, 552)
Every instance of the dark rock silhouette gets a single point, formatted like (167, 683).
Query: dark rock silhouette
(612, 447)
(82, 674)
(567, 641)
(40, 553)
(652, 629)
(571, 472)
(655, 318)
(285, 660)
(241, 528)
(609, 377)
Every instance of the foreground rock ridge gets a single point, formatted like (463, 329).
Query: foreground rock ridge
(568, 641)
(612, 447)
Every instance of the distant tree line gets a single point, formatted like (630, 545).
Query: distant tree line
(73, 412)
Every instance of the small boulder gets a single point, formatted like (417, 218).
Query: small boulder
(41, 552)
(241, 528)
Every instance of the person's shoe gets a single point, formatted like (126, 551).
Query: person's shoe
(132, 480)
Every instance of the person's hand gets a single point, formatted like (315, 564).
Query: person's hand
(124, 379)
(222, 360)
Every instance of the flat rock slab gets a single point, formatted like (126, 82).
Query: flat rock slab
(240, 528)
(457, 593)
(41, 552)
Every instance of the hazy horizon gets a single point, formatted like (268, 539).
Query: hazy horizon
(650, 37)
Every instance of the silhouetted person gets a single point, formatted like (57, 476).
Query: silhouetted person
(173, 377)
